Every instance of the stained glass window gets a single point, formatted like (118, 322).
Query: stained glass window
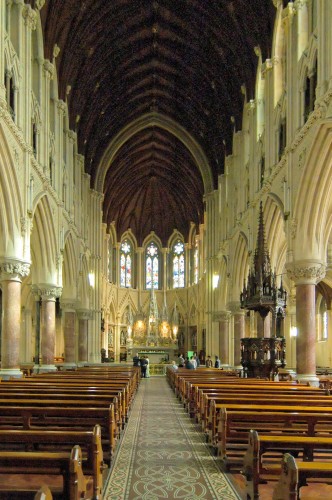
(125, 264)
(178, 265)
(152, 266)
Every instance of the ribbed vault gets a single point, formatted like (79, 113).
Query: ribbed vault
(185, 59)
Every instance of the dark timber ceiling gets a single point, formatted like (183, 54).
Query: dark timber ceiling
(185, 59)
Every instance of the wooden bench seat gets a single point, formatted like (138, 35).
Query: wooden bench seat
(294, 475)
(63, 418)
(201, 408)
(258, 444)
(235, 423)
(28, 398)
(64, 467)
(50, 440)
(253, 402)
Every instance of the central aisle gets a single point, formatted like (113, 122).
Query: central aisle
(163, 454)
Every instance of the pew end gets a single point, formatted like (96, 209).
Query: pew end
(44, 493)
(287, 485)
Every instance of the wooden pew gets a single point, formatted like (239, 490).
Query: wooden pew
(48, 440)
(202, 407)
(198, 390)
(80, 390)
(52, 397)
(236, 421)
(254, 401)
(62, 418)
(258, 444)
(294, 475)
(62, 466)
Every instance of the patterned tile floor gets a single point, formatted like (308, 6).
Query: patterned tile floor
(163, 454)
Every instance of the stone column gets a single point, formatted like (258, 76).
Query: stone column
(83, 321)
(239, 331)
(69, 333)
(48, 294)
(223, 318)
(11, 274)
(306, 274)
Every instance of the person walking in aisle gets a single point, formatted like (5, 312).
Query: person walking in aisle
(143, 366)
(217, 363)
(147, 373)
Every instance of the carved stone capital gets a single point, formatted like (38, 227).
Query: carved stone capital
(47, 292)
(14, 270)
(306, 272)
(30, 17)
(68, 305)
(222, 316)
(49, 69)
(84, 314)
(235, 308)
(61, 105)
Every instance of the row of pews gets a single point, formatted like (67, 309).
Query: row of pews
(262, 429)
(61, 429)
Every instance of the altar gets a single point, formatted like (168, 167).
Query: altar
(156, 356)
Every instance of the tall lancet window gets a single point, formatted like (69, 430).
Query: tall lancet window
(178, 265)
(125, 264)
(152, 267)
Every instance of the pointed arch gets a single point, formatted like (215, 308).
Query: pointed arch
(239, 265)
(313, 204)
(11, 243)
(43, 244)
(154, 119)
(69, 268)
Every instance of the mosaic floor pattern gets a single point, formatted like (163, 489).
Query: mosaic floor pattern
(163, 454)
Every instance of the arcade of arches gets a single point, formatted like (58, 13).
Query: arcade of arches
(118, 205)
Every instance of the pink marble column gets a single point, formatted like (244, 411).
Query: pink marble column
(224, 338)
(69, 335)
(306, 325)
(48, 329)
(306, 274)
(83, 317)
(239, 333)
(11, 274)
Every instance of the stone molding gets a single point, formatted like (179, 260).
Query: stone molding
(68, 305)
(84, 314)
(14, 270)
(221, 316)
(235, 308)
(47, 292)
(30, 17)
(306, 272)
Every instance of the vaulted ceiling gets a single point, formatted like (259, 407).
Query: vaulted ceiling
(185, 60)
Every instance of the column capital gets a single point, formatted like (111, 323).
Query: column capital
(222, 316)
(47, 291)
(30, 17)
(69, 305)
(11, 269)
(84, 314)
(235, 308)
(306, 272)
(48, 69)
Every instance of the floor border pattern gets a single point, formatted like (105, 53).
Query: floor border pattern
(163, 453)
